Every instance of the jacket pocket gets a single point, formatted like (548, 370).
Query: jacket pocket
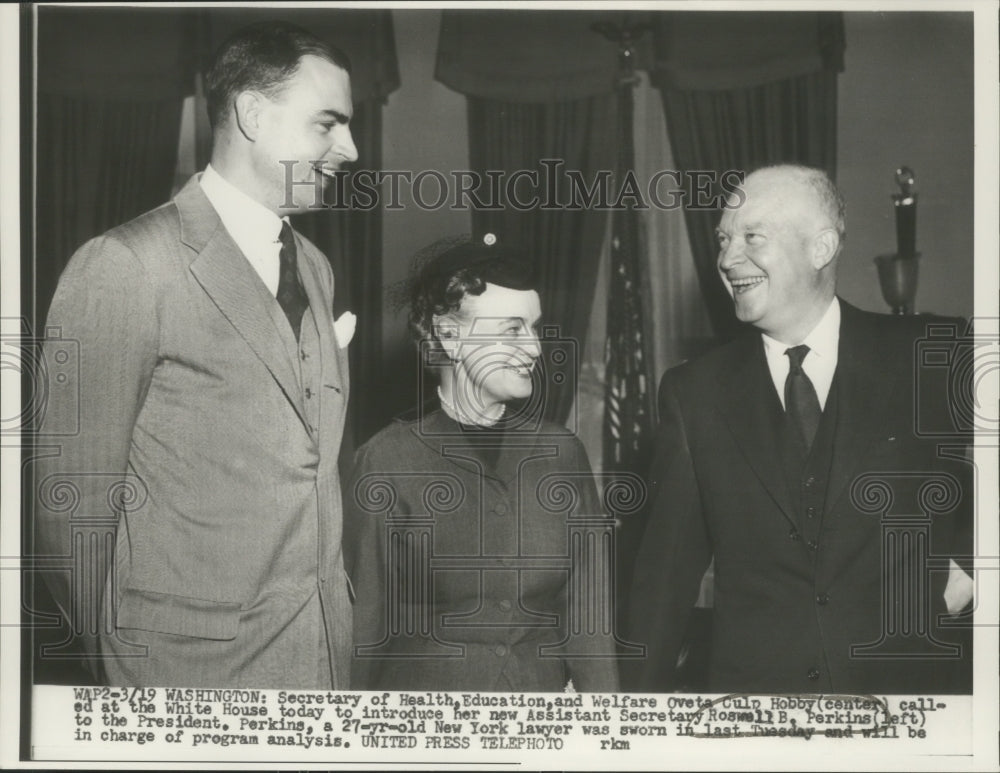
(146, 610)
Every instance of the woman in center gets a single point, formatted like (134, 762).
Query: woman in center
(458, 516)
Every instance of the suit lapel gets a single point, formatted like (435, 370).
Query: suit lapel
(864, 384)
(753, 413)
(233, 285)
(335, 365)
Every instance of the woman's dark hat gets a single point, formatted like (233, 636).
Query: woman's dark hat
(494, 261)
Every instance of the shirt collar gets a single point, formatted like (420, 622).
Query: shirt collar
(823, 339)
(248, 221)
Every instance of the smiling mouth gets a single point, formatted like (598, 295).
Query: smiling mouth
(744, 284)
(324, 170)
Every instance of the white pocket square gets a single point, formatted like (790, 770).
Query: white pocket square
(344, 328)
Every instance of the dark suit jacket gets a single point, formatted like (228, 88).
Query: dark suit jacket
(486, 606)
(786, 614)
(227, 567)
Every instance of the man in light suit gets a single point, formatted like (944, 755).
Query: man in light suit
(213, 390)
(775, 454)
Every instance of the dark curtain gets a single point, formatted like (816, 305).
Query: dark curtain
(106, 134)
(540, 85)
(771, 101)
(535, 56)
(566, 243)
(100, 163)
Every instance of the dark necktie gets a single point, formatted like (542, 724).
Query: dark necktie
(801, 403)
(291, 297)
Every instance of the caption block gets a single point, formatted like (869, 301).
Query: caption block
(81, 723)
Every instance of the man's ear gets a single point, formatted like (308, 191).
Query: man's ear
(445, 329)
(248, 107)
(825, 247)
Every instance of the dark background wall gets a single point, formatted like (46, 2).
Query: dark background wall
(906, 97)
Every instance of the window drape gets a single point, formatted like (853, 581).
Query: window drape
(565, 243)
(540, 86)
(110, 88)
(771, 99)
(100, 163)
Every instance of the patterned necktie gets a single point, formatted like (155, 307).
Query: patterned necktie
(801, 403)
(291, 297)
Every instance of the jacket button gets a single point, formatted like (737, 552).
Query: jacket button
(810, 482)
(794, 536)
(811, 511)
(309, 393)
(304, 355)
(822, 599)
(813, 674)
(812, 545)
(505, 605)
(500, 508)
(500, 650)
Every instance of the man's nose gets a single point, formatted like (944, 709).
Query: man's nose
(730, 254)
(343, 145)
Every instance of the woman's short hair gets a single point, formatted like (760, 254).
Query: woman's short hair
(451, 269)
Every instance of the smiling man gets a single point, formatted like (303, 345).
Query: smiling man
(213, 386)
(761, 448)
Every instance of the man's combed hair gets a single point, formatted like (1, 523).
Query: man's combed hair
(261, 57)
(830, 198)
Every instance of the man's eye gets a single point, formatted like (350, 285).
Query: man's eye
(723, 240)
(754, 238)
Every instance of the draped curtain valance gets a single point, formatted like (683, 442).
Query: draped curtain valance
(152, 54)
(701, 51)
(526, 56)
(117, 54)
(551, 56)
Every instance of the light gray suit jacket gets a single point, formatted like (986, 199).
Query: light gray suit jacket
(211, 436)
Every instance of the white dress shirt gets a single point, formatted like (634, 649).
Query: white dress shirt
(254, 227)
(820, 362)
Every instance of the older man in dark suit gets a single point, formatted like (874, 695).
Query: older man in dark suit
(789, 456)
(213, 388)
